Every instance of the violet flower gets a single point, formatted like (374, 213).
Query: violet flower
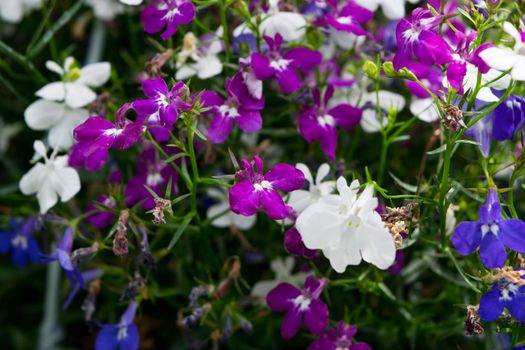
(240, 107)
(349, 18)
(161, 108)
(503, 294)
(97, 135)
(300, 306)
(101, 218)
(491, 233)
(254, 190)
(152, 172)
(318, 123)
(20, 242)
(293, 244)
(63, 254)
(123, 335)
(168, 14)
(409, 40)
(284, 66)
(87, 277)
(339, 338)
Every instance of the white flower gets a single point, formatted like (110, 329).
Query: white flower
(301, 199)
(283, 273)
(392, 9)
(370, 121)
(206, 60)
(56, 117)
(229, 218)
(74, 88)
(12, 11)
(424, 109)
(7, 131)
(106, 9)
(347, 228)
(50, 180)
(131, 2)
(485, 94)
(503, 58)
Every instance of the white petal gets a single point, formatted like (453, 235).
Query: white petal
(54, 67)
(393, 9)
(244, 222)
(61, 135)
(320, 226)
(12, 11)
(501, 84)
(65, 182)
(388, 100)
(306, 172)
(186, 71)
(95, 74)
(262, 288)
(209, 66)
(79, 95)
(498, 58)
(68, 62)
(322, 172)
(346, 253)
(518, 71)
(513, 32)
(299, 200)
(131, 2)
(292, 26)
(241, 29)
(53, 91)
(47, 197)
(40, 148)
(371, 5)
(486, 95)
(218, 195)
(32, 181)
(424, 109)
(370, 123)
(347, 40)
(216, 209)
(44, 114)
(376, 244)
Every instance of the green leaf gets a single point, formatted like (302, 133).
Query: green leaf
(404, 185)
(153, 193)
(438, 150)
(180, 230)
(180, 198)
(384, 288)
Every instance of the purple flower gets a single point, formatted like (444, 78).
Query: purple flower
(503, 294)
(255, 190)
(350, 18)
(240, 107)
(284, 66)
(429, 75)
(491, 233)
(318, 123)
(20, 242)
(101, 218)
(161, 108)
(293, 243)
(399, 263)
(300, 305)
(123, 335)
(166, 13)
(409, 41)
(153, 173)
(339, 338)
(97, 135)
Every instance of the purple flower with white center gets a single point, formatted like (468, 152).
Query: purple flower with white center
(254, 85)
(97, 135)
(491, 233)
(239, 107)
(151, 172)
(339, 338)
(318, 123)
(349, 18)
(300, 306)
(293, 244)
(161, 108)
(254, 190)
(123, 335)
(409, 41)
(284, 66)
(101, 218)
(503, 294)
(166, 13)
(20, 242)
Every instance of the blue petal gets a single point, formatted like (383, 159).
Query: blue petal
(491, 211)
(492, 251)
(516, 306)
(66, 244)
(129, 314)
(5, 241)
(512, 234)
(33, 250)
(490, 306)
(131, 341)
(467, 237)
(20, 257)
(107, 338)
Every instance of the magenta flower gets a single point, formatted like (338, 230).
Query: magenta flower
(239, 107)
(293, 244)
(409, 41)
(166, 13)
(255, 190)
(349, 18)
(318, 123)
(153, 173)
(97, 135)
(284, 66)
(101, 218)
(300, 305)
(339, 338)
(161, 108)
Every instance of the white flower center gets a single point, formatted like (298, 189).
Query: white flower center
(508, 292)
(411, 35)
(170, 14)
(263, 185)
(325, 120)
(345, 20)
(113, 132)
(494, 228)
(122, 333)
(303, 302)
(162, 100)
(19, 241)
(354, 222)
(229, 111)
(154, 179)
(280, 64)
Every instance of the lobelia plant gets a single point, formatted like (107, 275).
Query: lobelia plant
(126, 221)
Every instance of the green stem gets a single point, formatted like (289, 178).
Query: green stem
(462, 274)
(224, 23)
(22, 61)
(382, 159)
(443, 203)
(194, 171)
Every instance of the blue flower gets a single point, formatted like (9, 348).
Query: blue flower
(20, 242)
(503, 294)
(86, 277)
(491, 233)
(121, 336)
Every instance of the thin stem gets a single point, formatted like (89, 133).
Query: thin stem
(224, 23)
(443, 203)
(50, 331)
(195, 172)
(22, 61)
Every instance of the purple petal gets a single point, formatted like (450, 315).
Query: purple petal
(491, 210)
(490, 306)
(281, 297)
(288, 80)
(438, 48)
(512, 234)
(92, 128)
(66, 244)
(304, 59)
(107, 338)
(220, 128)
(249, 121)
(261, 66)
(285, 177)
(244, 198)
(516, 306)
(145, 107)
(5, 241)
(273, 205)
(328, 140)
(291, 323)
(455, 74)
(492, 251)
(316, 317)
(467, 237)
(210, 99)
(168, 116)
(346, 116)
(154, 87)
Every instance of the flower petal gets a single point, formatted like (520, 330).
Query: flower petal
(53, 91)
(281, 297)
(512, 234)
(95, 74)
(492, 251)
(467, 237)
